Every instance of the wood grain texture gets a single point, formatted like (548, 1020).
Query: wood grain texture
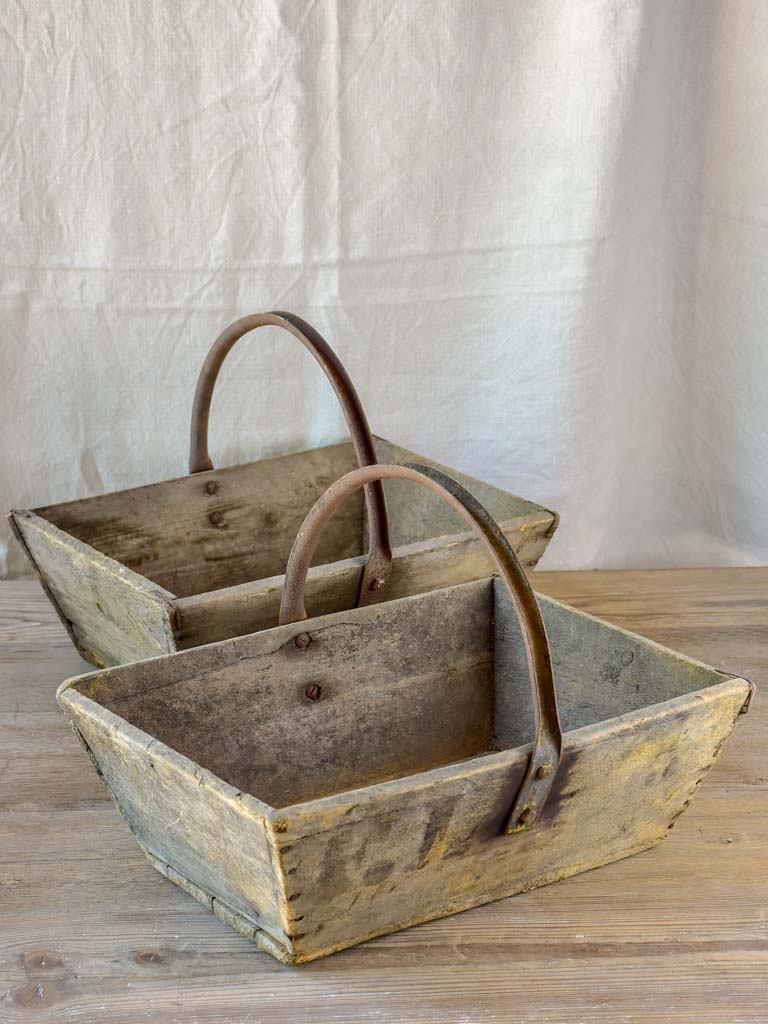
(197, 533)
(89, 933)
(388, 704)
(111, 613)
(385, 798)
(417, 568)
(200, 558)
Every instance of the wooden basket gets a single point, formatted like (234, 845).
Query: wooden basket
(330, 780)
(177, 564)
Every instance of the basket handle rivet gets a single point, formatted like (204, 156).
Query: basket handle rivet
(313, 692)
(302, 641)
(527, 815)
(544, 770)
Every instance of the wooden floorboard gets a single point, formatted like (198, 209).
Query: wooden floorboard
(90, 933)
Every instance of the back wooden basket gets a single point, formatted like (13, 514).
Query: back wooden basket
(173, 565)
(332, 779)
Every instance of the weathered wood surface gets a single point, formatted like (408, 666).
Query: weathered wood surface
(215, 544)
(416, 514)
(405, 696)
(90, 933)
(402, 688)
(409, 851)
(601, 672)
(215, 529)
(419, 567)
(111, 613)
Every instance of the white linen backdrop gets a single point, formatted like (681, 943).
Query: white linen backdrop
(536, 232)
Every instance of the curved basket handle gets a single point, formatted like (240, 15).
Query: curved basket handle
(380, 556)
(548, 741)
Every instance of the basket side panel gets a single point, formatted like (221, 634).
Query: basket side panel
(406, 852)
(417, 569)
(389, 705)
(220, 528)
(186, 818)
(112, 615)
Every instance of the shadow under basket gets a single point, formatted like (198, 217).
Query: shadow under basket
(314, 798)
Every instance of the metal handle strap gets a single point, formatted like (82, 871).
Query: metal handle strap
(548, 742)
(380, 556)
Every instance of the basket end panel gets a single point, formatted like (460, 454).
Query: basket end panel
(621, 787)
(417, 516)
(112, 614)
(210, 834)
(244, 924)
(18, 520)
(602, 671)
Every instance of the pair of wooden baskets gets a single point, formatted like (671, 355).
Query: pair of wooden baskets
(433, 738)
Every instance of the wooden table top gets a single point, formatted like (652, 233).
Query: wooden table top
(89, 932)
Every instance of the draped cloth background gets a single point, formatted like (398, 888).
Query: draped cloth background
(536, 232)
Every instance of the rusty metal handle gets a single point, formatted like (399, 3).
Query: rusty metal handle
(548, 742)
(380, 557)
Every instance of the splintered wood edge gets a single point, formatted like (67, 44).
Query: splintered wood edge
(16, 531)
